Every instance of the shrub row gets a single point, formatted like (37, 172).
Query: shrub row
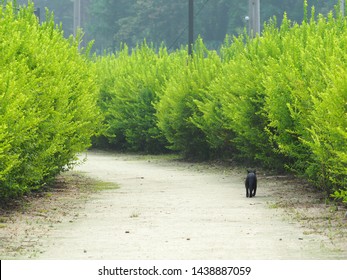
(129, 88)
(47, 101)
(278, 99)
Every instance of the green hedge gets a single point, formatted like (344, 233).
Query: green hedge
(180, 110)
(278, 100)
(48, 96)
(130, 85)
(305, 100)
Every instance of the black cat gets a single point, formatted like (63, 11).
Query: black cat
(251, 183)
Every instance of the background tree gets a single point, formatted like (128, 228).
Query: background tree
(113, 22)
(63, 12)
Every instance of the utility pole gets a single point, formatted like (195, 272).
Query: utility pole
(342, 7)
(77, 16)
(254, 17)
(191, 27)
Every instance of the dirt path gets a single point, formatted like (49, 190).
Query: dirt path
(166, 210)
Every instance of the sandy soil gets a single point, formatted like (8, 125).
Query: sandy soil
(168, 209)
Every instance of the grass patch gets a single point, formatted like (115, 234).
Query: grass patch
(135, 215)
(79, 180)
(273, 205)
(104, 186)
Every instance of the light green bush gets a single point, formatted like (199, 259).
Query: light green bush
(180, 109)
(304, 101)
(241, 94)
(47, 101)
(278, 100)
(130, 85)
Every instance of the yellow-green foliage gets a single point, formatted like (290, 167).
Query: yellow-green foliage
(305, 100)
(278, 99)
(241, 93)
(47, 100)
(180, 110)
(130, 86)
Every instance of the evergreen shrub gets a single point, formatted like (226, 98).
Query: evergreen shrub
(48, 107)
(278, 100)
